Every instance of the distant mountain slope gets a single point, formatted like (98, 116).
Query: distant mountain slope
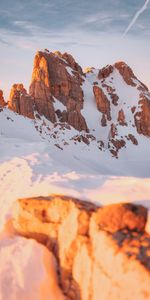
(108, 108)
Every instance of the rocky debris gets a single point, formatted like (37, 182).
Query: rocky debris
(58, 75)
(82, 138)
(126, 72)
(20, 101)
(114, 143)
(103, 121)
(2, 101)
(121, 118)
(114, 98)
(100, 145)
(74, 118)
(86, 138)
(113, 131)
(132, 138)
(117, 145)
(133, 109)
(142, 117)
(94, 247)
(111, 91)
(103, 104)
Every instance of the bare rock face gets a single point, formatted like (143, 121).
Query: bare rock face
(126, 73)
(115, 145)
(102, 102)
(20, 101)
(142, 118)
(2, 101)
(58, 75)
(116, 217)
(132, 138)
(40, 88)
(105, 72)
(102, 253)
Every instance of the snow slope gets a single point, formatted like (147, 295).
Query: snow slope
(27, 270)
(39, 164)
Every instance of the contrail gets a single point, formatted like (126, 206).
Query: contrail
(144, 7)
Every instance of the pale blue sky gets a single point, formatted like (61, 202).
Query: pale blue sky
(92, 31)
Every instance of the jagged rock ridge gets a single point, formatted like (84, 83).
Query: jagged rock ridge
(102, 253)
(63, 94)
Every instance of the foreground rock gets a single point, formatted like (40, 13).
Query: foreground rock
(102, 253)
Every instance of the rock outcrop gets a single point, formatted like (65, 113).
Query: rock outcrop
(103, 104)
(105, 72)
(102, 253)
(121, 118)
(2, 101)
(57, 75)
(126, 72)
(20, 102)
(142, 117)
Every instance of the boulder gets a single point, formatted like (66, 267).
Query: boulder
(102, 253)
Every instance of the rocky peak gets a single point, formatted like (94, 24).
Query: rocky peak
(63, 94)
(57, 75)
(17, 90)
(70, 61)
(126, 72)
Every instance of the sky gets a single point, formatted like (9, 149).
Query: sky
(96, 33)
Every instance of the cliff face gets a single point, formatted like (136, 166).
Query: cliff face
(2, 101)
(20, 102)
(140, 116)
(102, 253)
(57, 75)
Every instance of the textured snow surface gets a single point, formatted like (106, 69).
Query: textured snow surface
(27, 270)
(32, 164)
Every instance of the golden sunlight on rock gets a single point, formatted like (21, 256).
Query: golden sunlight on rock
(102, 253)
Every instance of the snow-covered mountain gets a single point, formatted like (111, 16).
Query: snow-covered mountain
(108, 109)
(84, 134)
(76, 132)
